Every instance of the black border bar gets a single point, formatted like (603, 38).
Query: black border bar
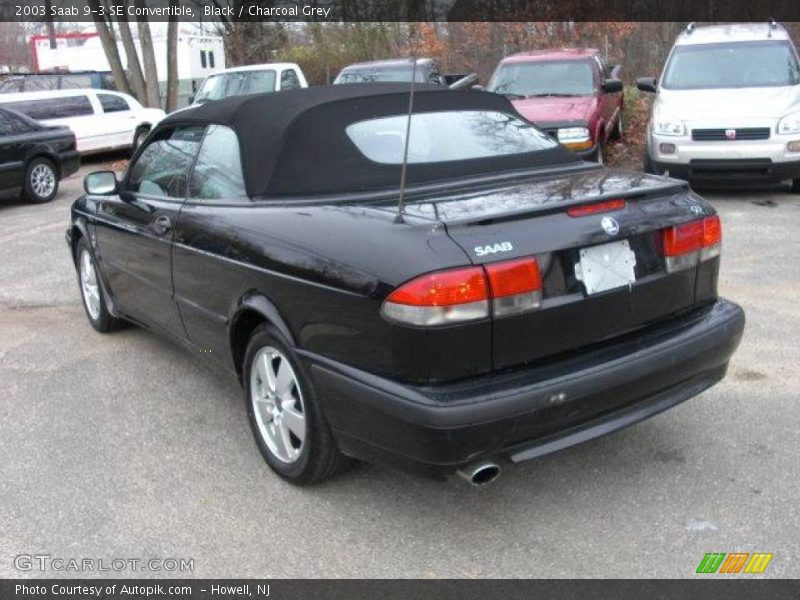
(733, 587)
(404, 10)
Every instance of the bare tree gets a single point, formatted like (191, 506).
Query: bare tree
(109, 44)
(149, 59)
(135, 75)
(172, 60)
(14, 50)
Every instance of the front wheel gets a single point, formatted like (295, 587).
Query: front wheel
(600, 154)
(290, 430)
(41, 181)
(619, 128)
(94, 301)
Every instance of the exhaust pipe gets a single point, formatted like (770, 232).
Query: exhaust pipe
(480, 473)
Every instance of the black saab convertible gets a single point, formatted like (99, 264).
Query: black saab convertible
(506, 301)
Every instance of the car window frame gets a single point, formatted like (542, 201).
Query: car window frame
(11, 117)
(289, 70)
(99, 95)
(125, 188)
(195, 201)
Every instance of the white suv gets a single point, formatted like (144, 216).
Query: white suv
(727, 106)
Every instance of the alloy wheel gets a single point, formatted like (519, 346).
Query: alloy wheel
(89, 285)
(278, 404)
(43, 180)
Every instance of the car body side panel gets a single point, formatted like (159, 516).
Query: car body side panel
(137, 259)
(18, 149)
(320, 266)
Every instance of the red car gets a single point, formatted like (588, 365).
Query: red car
(571, 93)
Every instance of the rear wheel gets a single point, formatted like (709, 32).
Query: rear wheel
(290, 430)
(94, 301)
(41, 181)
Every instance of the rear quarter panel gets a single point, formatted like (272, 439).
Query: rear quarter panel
(327, 270)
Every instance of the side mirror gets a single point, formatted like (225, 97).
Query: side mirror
(191, 99)
(611, 86)
(647, 84)
(478, 87)
(101, 183)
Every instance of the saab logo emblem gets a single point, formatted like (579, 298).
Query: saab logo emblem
(609, 225)
(493, 248)
(730, 134)
(736, 562)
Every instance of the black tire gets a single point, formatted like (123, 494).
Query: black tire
(103, 321)
(139, 137)
(647, 164)
(39, 170)
(619, 128)
(796, 186)
(319, 457)
(600, 154)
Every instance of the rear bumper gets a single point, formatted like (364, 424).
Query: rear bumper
(528, 412)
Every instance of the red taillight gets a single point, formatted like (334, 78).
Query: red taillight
(515, 286)
(686, 245)
(455, 295)
(440, 298)
(444, 288)
(597, 207)
(683, 238)
(712, 231)
(514, 277)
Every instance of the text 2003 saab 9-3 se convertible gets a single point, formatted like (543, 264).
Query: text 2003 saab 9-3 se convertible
(520, 300)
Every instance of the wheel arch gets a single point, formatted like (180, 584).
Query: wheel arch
(253, 310)
(78, 230)
(44, 152)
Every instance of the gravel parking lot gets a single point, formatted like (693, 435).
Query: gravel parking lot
(123, 446)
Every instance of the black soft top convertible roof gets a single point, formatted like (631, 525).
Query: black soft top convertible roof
(294, 143)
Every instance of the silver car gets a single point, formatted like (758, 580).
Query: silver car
(727, 106)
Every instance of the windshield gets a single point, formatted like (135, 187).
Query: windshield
(732, 65)
(447, 136)
(237, 84)
(373, 75)
(545, 78)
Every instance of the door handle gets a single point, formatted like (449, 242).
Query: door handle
(162, 225)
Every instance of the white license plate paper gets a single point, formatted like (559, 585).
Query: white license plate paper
(606, 267)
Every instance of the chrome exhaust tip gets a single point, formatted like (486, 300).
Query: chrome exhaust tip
(480, 473)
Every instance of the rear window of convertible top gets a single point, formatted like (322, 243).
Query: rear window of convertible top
(446, 136)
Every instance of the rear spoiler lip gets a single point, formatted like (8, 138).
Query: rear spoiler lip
(671, 186)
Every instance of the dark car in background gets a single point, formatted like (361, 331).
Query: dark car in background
(519, 300)
(400, 69)
(57, 80)
(33, 157)
(571, 93)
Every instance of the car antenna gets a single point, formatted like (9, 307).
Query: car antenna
(400, 202)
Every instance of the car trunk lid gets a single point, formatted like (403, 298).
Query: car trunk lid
(592, 302)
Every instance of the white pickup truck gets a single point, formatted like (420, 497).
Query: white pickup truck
(252, 79)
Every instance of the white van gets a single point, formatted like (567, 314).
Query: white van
(101, 120)
(727, 106)
(252, 79)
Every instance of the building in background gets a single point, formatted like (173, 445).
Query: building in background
(199, 55)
